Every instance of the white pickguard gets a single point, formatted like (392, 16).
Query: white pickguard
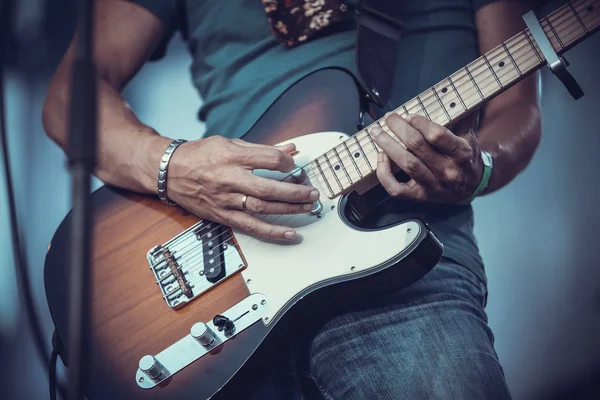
(325, 247)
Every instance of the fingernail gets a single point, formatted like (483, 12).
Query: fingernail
(380, 157)
(408, 118)
(307, 207)
(314, 195)
(375, 131)
(289, 235)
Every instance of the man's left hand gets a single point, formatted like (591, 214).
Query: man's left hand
(443, 167)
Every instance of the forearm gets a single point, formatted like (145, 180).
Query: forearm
(511, 133)
(128, 152)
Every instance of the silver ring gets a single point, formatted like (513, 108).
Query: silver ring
(244, 199)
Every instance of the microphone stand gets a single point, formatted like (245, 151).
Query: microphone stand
(82, 161)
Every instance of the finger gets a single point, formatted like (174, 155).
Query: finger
(403, 158)
(254, 226)
(286, 148)
(411, 190)
(268, 158)
(471, 137)
(258, 206)
(414, 141)
(273, 190)
(438, 136)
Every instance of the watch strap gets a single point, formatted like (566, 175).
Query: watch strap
(485, 179)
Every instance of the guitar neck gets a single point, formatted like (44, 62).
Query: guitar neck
(349, 163)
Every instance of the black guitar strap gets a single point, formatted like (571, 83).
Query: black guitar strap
(379, 29)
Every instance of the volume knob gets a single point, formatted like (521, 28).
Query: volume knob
(151, 367)
(203, 334)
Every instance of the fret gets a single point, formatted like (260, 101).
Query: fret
(343, 166)
(360, 175)
(324, 177)
(523, 55)
(405, 110)
(371, 140)
(441, 104)
(503, 65)
(423, 108)
(576, 14)
(533, 46)
(334, 172)
(465, 87)
(589, 15)
(484, 79)
(560, 43)
(492, 70)
(412, 106)
(511, 59)
(457, 93)
(474, 83)
(362, 152)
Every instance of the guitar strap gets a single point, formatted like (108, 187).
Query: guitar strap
(379, 30)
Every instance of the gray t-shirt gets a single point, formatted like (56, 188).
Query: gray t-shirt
(239, 65)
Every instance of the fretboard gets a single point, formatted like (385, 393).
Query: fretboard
(346, 165)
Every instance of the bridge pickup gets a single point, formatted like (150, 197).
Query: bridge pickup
(212, 239)
(195, 261)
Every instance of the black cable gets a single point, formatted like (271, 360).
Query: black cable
(56, 348)
(82, 160)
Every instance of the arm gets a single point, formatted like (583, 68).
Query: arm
(128, 151)
(510, 129)
(208, 177)
(446, 166)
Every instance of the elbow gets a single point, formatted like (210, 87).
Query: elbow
(47, 117)
(54, 114)
(535, 131)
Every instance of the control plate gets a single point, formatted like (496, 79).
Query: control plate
(187, 350)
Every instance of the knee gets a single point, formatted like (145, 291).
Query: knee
(464, 376)
(461, 377)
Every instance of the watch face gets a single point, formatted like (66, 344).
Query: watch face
(487, 158)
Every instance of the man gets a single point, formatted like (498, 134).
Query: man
(430, 340)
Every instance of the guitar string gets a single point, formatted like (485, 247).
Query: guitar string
(484, 88)
(489, 80)
(518, 57)
(292, 217)
(487, 85)
(503, 75)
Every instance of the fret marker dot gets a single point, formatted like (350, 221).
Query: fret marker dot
(452, 105)
(337, 167)
(356, 155)
(444, 90)
(590, 8)
(501, 64)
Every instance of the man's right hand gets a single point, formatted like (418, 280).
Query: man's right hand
(210, 177)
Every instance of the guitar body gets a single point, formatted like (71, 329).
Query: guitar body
(267, 287)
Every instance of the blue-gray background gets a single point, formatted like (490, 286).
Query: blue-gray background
(538, 236)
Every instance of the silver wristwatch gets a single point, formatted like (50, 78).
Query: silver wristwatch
(163, 168)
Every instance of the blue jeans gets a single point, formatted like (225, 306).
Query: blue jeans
(428, 341)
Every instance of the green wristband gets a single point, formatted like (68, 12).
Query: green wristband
(488, 165)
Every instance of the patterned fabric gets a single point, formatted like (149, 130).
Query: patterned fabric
(296, 21)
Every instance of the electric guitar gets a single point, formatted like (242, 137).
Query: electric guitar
(181, 305)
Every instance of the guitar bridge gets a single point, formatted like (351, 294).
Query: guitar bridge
(194, 261)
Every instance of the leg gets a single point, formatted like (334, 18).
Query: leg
(428, 341)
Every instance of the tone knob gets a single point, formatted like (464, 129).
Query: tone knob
(203, 334)
(151, 367)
